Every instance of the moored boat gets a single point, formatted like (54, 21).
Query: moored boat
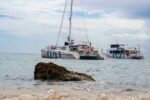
(120, 51)
(70, 50)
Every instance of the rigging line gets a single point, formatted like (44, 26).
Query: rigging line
(61, 22)
(85, 24)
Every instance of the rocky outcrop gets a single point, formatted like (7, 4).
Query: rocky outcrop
(53, 72)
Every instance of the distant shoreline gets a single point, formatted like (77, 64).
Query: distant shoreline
(20, 53)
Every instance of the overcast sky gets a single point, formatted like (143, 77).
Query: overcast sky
(30, 25)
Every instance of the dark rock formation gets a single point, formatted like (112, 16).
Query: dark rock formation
(53, 72)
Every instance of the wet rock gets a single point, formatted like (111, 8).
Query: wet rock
(53, 72)
(54, 95)
(102, 97)
(128, 90)
(2, 96)
(145, 98)
(6, 75)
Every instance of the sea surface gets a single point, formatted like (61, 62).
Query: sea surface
(17, 71)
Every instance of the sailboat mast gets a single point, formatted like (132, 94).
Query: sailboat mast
(70, 20)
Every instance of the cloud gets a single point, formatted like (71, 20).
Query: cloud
(130, 9)
(33, 17)
(103, 20)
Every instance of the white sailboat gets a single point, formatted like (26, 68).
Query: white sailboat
(70, 50)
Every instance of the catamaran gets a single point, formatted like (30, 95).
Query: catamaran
(120, 51)
(70, 50)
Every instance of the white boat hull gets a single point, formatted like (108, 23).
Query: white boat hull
(59, 54)
(123, 56)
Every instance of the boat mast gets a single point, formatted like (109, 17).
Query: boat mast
(70, 20)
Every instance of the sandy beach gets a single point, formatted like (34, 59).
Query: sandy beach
(68, 93)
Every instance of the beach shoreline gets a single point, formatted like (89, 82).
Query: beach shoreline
(70, 93)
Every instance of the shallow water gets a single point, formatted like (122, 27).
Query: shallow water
(16, 71)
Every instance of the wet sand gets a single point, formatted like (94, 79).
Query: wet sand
(68, 93)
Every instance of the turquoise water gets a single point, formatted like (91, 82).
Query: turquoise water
(16, 70)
